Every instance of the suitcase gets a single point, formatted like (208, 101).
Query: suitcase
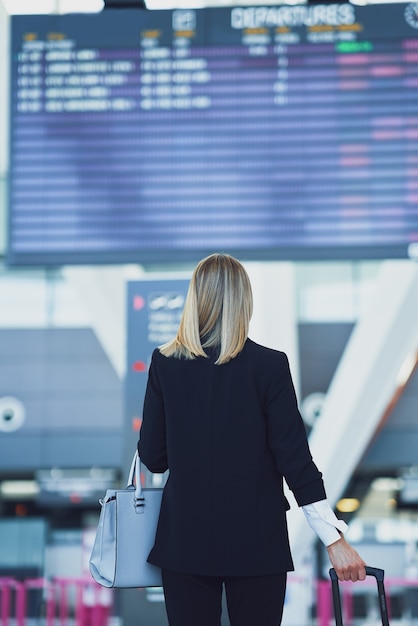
(370, 571)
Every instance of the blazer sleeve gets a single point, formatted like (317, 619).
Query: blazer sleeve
(287, 438)
(152, 447)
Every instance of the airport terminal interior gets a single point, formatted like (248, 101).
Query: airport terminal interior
(135, 139)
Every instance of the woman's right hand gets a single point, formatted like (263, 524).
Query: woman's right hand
(347, 563)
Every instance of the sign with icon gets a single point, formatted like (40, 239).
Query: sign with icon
(154, 311)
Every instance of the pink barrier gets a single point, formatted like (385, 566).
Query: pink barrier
(92, 603)
(92, 606)
(323, 600)
(89, 604)
(48, 590)
(9, 588)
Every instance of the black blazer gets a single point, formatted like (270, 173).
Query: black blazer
(228, 434)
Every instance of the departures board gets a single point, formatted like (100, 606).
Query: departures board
(276, 132)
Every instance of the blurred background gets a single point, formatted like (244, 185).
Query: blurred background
(138, 137)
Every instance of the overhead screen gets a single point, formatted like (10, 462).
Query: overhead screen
(285, 132)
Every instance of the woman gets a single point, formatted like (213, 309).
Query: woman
(220, 413)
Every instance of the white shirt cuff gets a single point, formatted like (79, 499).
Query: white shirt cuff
(321, 518)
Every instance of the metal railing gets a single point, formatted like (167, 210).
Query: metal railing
(62, 602)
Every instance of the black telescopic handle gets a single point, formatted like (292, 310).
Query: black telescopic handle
(379, 574)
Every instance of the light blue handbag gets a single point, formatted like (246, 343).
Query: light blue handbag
(126, 534)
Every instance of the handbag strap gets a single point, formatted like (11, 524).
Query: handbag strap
(134, 478)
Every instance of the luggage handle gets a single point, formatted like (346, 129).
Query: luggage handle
(379, 574)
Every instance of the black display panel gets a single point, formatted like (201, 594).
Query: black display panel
(285, 132)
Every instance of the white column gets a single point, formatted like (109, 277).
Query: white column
(103, 292)
(367, 377)
(274, 321)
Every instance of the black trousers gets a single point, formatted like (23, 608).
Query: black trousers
(197, 600)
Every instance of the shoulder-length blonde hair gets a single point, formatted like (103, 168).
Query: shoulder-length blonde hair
(217, 311)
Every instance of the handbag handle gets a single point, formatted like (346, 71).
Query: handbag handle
(134, 478)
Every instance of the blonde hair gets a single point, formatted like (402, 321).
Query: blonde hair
(217, 311)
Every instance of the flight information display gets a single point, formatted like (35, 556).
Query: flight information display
(276, 132)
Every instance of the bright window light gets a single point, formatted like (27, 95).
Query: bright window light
(80, 6)
(176, 4)
(197, 4)
(19, 489)
(31, 7)
(387, 484)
